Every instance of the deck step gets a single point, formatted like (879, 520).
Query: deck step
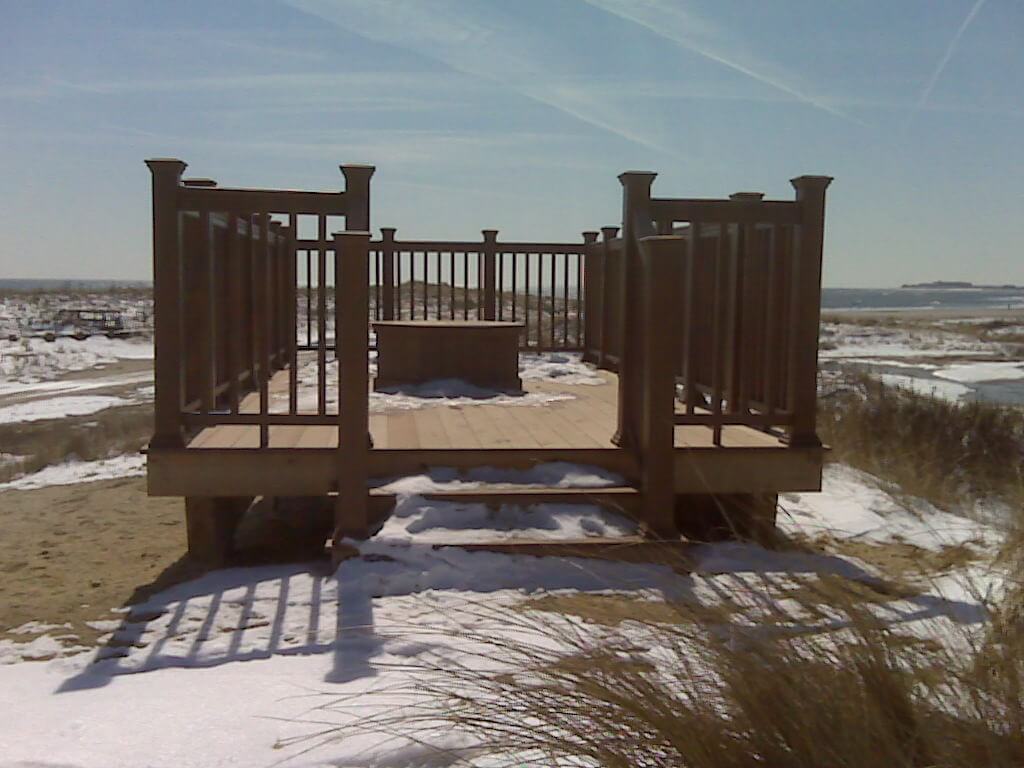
(625, 498)
(628, 549)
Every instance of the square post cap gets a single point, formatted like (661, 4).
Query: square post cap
(637, 180)
(609, 233)
(753, 196)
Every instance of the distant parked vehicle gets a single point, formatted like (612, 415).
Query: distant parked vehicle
(82, 322)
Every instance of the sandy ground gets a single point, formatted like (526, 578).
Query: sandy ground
(72, 553)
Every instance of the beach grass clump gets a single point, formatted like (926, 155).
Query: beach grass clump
(707, 687)
(40, 444)
(948, 453)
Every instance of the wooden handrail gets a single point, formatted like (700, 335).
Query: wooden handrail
(731, 211)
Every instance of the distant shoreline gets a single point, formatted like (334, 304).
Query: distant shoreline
(68, 284)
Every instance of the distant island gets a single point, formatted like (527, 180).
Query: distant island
(956, 285)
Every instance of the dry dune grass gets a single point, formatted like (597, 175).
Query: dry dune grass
(704, 687)
(97, 436)
(945, 452)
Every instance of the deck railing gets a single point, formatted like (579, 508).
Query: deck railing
(225, 297)
(709, 311)
(747, 299)
(538, 284)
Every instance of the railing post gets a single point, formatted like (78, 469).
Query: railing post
(806, 314)
(490, 273)
(167, 315)
(607, 235)
(636, 197)
(591, 309)
(387, 254)
(659, 259)
(357, 196)
(352, 300)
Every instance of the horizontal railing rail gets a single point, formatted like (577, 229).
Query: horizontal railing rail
(541, 285)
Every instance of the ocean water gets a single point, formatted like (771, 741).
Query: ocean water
(60, 284)
(832, 298)
(922, 298)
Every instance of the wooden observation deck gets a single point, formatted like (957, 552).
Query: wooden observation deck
(699, 319)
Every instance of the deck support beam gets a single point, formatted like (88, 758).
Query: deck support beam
(210, 523)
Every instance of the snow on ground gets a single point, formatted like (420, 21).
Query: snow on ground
(943, 390)
(220, 670)
(30, 360)
(848, 340)
(60, 407)
(12, 389)
(855, 505)
(978, 372)
(561, 367)
(71, 472)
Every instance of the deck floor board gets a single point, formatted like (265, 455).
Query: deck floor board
(586, 419)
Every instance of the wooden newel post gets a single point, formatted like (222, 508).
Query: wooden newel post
(357, 196)
(387, 253)
(659, 260)
(591, 308)
(352, 300)
(609, 271)
(490, 272)
(636, 198)
(167, 316)
(806, 316)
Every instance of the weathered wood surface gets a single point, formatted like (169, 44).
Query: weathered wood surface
(484, 353)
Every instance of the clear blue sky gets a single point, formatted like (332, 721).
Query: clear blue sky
(519, 115)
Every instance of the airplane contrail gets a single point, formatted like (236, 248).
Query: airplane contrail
(950, 50)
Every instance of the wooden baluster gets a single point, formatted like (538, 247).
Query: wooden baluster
(387, 254)
(206, 322)
(351, 514)
(806, 304)
(451, 288)
(236, 310)
(515, 287)
(465, 286)
(719, 314)
(690, 348)
(489, 278)
(540, 302)
(260, 268)
(321, 317)
(292, 309)
(743, 246)
(526, 297)
(608, 284)
(309, 299)
(554, 297)
(167, 301)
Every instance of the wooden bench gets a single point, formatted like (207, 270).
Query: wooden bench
(483, 353)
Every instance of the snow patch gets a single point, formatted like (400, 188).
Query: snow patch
(72, 472)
